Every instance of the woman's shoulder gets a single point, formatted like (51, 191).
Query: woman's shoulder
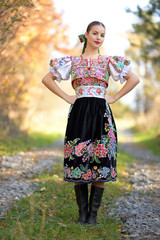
(114, 56)
(116, 59)
(63, 58)
(75, 56)
(104, 57)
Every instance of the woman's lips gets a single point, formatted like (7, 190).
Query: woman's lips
(97, 42)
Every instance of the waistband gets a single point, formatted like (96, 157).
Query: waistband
(90, 91)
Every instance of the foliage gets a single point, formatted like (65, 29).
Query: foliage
(145, 52)
(148, 28)
(29, 31)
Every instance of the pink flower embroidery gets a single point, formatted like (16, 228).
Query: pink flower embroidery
(98, 91)
(110, 134)
(113, 173)
(69, 173)
(67, 150)
(80, 148)
(80, 91)
(89, 90)
(91, 150)
(101, 151)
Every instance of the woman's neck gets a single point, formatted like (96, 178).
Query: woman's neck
(90, 52)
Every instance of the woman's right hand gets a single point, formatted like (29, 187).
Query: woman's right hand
(71, 99)
(49, 81)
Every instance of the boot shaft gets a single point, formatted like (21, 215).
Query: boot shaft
(94, 203)
(81, 192)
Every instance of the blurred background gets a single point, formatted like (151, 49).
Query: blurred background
(34, 31)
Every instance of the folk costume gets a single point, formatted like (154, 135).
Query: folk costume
(90, 144)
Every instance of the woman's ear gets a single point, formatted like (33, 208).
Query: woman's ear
(86, 34)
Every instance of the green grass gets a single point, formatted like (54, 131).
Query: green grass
(148, 139)
(51, 212)
(25, 142)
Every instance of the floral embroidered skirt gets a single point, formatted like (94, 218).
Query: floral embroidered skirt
(90, 144)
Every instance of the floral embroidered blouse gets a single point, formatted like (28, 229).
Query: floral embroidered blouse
(95, 71)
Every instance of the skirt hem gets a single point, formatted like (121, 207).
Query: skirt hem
(91, 181)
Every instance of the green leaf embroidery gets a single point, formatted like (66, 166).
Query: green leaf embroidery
(75, 141)
(71, 157)
(84, 169)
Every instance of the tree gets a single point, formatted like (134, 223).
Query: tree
(145, 50)
(30, 30)
(148, 27)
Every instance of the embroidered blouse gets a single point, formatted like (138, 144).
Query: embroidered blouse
(99, 69)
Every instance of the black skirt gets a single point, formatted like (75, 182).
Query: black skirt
(90, 144)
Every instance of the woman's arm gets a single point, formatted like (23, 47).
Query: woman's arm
(132, 81)
(49, 81)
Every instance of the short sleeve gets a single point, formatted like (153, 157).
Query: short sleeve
(61, 68)
(119, 67)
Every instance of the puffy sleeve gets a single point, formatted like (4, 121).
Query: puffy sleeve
(61, 67)
(119, 67)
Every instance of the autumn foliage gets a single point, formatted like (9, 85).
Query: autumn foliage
(30, 30)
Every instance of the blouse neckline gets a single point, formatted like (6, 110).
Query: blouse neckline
(90, 58)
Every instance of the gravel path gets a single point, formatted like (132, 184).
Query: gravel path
(18, 172)
(140, 210)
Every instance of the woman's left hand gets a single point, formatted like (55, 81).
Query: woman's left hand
(109, 99)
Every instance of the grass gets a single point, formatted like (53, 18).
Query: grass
(149, 139)
(25, 142)
(51, 212)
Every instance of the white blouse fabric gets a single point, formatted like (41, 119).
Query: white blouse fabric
(119, 76)
(62, 72)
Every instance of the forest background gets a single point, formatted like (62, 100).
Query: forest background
(31, 32)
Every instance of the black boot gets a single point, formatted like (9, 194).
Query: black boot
(94, 203)
(82, 201)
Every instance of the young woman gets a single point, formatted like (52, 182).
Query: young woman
(90, 144)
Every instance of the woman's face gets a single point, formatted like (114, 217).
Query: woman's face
(96, 35)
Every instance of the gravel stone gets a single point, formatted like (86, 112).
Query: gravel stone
(18, 172)
(139, 211)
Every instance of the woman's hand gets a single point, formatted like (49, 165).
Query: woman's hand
(132, 81)
(109, 99)
(49, 81)
(71, 99)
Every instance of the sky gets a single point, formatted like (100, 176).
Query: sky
(78, 14)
